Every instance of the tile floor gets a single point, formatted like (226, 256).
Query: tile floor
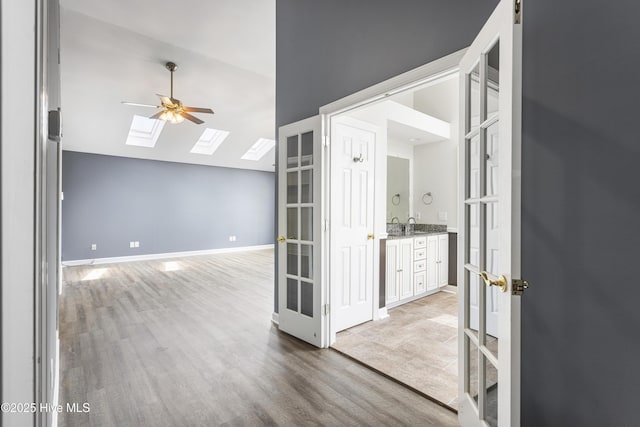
(417, 345)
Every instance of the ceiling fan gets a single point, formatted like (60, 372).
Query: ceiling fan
(172, 109)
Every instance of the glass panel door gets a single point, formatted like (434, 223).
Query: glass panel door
(299, 293)
(489, 250)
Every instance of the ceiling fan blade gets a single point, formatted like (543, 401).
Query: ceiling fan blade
(135, 104)
(194, 119)
(166, 101)
(198, 110)
(157, 115)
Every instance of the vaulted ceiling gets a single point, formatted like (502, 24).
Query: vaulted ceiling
(115, 51)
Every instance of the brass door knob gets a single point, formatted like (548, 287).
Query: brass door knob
(500, 282)
(281, 239)
(370, 236)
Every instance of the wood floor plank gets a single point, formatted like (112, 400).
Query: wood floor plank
(189, 342)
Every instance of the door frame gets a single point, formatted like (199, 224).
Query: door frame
(431, 72)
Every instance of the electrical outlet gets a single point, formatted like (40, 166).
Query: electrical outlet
(136, 244)
(418, 215)
(132, 244)
(94, 246)
(231, 238)
(442, 216)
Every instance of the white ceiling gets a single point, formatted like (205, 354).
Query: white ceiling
(115, 51)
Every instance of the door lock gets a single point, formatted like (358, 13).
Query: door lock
(281, 239)
(518, 286)
(370, 236)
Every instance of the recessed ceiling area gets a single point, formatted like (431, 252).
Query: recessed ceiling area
(115, 51)
(416, 117)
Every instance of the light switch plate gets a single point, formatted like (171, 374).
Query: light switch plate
(442, 216)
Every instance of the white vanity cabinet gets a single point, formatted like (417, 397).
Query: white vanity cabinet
(415, 266)
(399, 271)
(443, 260)
(420, 265)
(437, 261)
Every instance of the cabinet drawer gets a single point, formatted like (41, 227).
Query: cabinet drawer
(420, 254)
(420, 242)
(419, 265)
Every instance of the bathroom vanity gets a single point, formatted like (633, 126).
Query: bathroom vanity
(415, 266)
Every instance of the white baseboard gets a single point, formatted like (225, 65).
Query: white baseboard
(383, 313)
(148, 257)
(274, 319)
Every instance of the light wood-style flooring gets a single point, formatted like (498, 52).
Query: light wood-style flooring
(189, 342)
(416, 345)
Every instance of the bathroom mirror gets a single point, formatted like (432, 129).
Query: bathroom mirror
(398, 188)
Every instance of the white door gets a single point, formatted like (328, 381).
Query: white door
(352, 238)
(490, 129)
(300, 296)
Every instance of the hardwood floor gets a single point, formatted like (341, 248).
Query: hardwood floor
(194, 346)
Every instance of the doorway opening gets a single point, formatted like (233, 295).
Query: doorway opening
(394, 167)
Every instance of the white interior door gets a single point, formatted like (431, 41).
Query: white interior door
(489, 244)
(300, 297)
(352, 227)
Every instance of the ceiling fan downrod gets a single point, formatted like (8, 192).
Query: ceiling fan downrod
(171, 66)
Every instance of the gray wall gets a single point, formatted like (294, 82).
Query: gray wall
(581, 210)
(581, 196)
(166, 206)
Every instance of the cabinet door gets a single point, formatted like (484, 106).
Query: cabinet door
(406, 267)
(443, 260)
(432, 265)
(420, 282)
(392, 271)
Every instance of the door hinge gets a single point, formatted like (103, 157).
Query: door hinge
(326, 225)
(517, 11)
(325, 141)
(518, 286)
(325, 309)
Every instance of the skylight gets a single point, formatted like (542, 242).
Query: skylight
(259, 149)
(144, 132)
(209, 141)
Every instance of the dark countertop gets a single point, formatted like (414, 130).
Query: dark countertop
(415, 234)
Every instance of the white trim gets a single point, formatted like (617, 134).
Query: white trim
(148, 257)
(275, 319)
(434, 71)
(383, 313)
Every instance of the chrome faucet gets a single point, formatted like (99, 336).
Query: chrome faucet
(411, 218)
(396, 219)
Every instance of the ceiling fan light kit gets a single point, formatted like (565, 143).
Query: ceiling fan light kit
(172, 109)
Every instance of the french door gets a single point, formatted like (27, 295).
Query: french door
(489, 302)
(300, 297)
